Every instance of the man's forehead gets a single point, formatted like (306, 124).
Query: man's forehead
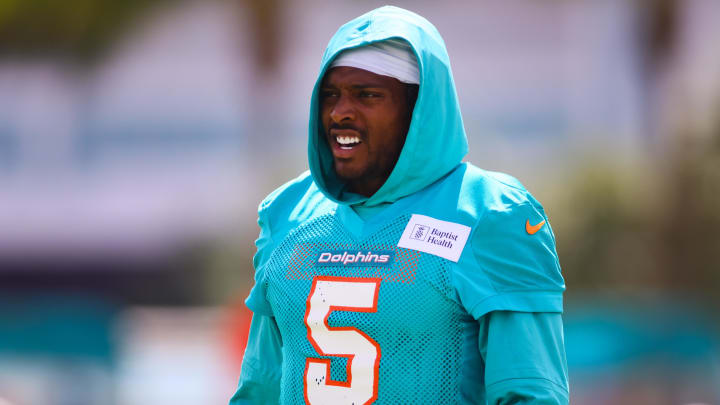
(356, 77)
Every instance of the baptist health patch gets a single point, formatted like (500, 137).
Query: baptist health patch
(439, 238)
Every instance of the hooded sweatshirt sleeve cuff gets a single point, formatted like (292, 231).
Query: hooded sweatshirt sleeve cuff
(520, 301)
(536, 391)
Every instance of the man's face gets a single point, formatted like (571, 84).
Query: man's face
(366, 117)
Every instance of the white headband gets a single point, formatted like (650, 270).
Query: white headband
(392, 57)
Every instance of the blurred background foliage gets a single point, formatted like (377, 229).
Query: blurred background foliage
(644, 228)
(80, 29)
(83, 30)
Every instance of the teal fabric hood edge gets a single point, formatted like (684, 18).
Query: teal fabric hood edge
(436, 142)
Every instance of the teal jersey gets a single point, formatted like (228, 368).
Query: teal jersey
(420, 317)
(443, 287)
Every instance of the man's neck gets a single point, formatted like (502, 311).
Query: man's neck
(366, 188)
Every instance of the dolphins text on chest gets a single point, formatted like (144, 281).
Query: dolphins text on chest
(355, 258)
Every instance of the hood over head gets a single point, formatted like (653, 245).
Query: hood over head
(436, 140)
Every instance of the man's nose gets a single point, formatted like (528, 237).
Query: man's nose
(342, 110)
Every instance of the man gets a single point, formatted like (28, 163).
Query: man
(392, 272)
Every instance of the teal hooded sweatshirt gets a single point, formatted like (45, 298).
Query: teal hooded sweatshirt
(469, 295)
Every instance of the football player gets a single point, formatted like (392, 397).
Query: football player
(392, 272)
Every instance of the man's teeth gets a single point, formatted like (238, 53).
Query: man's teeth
(347, 140)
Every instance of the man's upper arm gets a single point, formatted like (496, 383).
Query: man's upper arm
(256, 300)
(262, 364)
(508, 268)
(513, 286)
(524, 354)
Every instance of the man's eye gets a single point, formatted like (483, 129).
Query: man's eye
(369, 94)
(328, 94)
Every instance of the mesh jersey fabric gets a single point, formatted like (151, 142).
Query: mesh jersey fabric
(419, 329)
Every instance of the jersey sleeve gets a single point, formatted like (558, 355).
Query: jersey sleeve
(261, 368)
(524, 356)
(512, 265)
(256, 300)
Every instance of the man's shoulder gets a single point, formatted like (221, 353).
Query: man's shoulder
(485, 191)
(294, 202)
(292, 190)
